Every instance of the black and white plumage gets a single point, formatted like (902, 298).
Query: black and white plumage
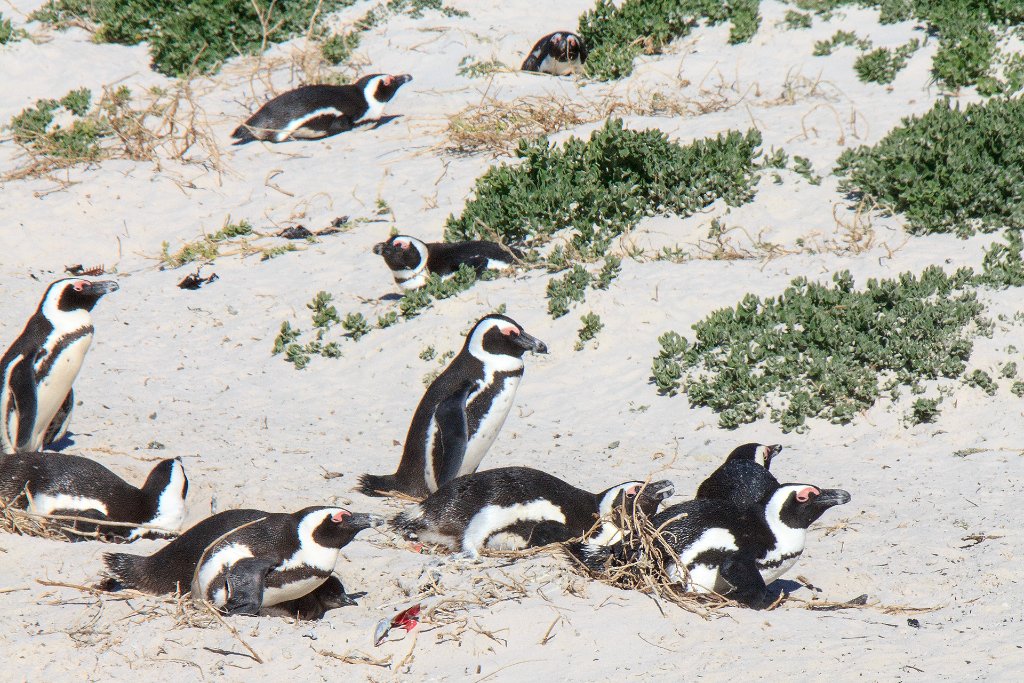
(727, 549)
(516, 507)
(462, 411)
(318, 111)
(273, 562)
(558, 53)
(41, 365)
(61, 484)
(741, 479)
(412, 261)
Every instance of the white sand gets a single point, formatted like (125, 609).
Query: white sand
(193, 371)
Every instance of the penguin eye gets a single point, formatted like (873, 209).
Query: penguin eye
(510, 331)
(339, 516)
(632, 491)
(387, 80)
(79, 286)
(805, 494)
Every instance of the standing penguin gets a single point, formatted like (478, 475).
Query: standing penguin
(274, 561)
(510, 508)
(61, 484)
(558, 53)
(741, 479)
(412, 261)
(318, 111)
(726, 549)
(462, 411)
(40, 366)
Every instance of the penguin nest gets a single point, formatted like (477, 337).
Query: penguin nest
(646, 569)
(14, 520)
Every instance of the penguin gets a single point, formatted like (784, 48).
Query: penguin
(62, 484)
(412, 261)
(274, 561)
(558, 53)
(741, 479)
(726, 549)
(41, 365)
(318, 111)
(510, 508)
(462, 411)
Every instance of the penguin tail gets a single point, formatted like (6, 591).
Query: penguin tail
(242, 135)
(408, 523)
(126, 571)
(377, 485)
(596, 559)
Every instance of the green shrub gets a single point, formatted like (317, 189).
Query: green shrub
(882, 65)
(567, 289)
(601, 187)
(9, 34)
(950, 170)
(924, 410)
(820, 351)
(615, 36)
(591, 326)
(823, 48)
(797, 20)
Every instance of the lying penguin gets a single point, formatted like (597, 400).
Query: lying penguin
(412, 261)
(733, 551)
(462, 411)
(279, 560)
(558, 53)
(59, 484)
(741, 479)
(510, 508)
(317, 111)
(38, 370)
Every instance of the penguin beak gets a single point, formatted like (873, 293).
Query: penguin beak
(772, 451)
(401, 79)
(831, 497)
(380, 248)
(660, 490)
(100, 287)
(529, 342)
(362, 520)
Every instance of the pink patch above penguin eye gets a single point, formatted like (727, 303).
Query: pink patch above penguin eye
(387, 80)
(402, 243)
(340, 516)
(632, 490)
(79, 286)
(805, 494)
(510, 331)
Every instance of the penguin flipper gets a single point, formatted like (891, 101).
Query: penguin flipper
(245, 581)
(59, 425)
(477, 262)
(548, 532)
(23, 393)
(450, 416)
(748, 586)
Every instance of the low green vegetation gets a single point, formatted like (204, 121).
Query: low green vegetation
(823, 48)
(323, 316)
(830, 352)
(950, 170)
(571, 288)
(616, 34)
(208, 247)
(881, 65)
(591, 326)
(601, 187)
(61, 146)
(471, 68)
(9, 34)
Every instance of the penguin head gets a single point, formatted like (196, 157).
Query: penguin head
(499, 335)
(624, 498)
(74, 294)
(402, 252)
(334, 527)
(755, 451)
(165, 491)
(381, 87)
(800, 505)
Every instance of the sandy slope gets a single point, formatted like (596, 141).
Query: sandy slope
(193, 371)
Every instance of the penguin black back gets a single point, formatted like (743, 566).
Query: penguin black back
(316, 111)
(462, 411)
(741, 479)
(412, 260)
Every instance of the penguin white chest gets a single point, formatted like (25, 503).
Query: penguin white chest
(53, 387)
(490, 423)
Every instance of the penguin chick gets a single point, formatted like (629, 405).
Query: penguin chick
(510, 508)
(41, 365)
(462, 411)
(741, 479)
(412, 261)
(282, 558)
(318, 111)
(558, 53)
(725, 549)
(59, 484)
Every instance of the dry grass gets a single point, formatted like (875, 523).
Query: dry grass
(15, 519)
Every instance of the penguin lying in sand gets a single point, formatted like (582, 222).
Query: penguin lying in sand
(318, 111)
(412, 261)
(38, 370)
(59, 484)
(283, 561)
(462, 411)
(558, 53)
(510, 508)
(726, 549)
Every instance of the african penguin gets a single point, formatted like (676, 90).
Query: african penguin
(412, 261)
(60, 484)
(741, 479)
(516, 507)
(558, 53)
(726, 549)
(318, 111)
(41, 365)
(462, 411)
(280, 559)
